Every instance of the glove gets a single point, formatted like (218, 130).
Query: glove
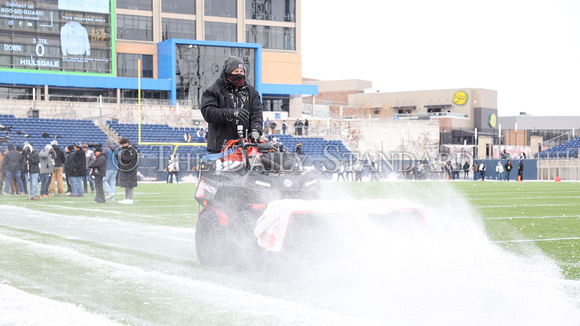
(255, 136)
(240, 114)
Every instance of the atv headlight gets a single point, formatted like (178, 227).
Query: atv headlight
(263, 184)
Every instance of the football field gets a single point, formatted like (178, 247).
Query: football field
(490, 253)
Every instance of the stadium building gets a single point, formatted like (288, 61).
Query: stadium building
(88, 51)
(95, 60)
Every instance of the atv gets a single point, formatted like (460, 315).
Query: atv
(262, 207)
(234, 189)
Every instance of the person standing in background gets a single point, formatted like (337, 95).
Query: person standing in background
(32, 171)
(508, 169)
(89, 158)
(99, 169)
(47, 157)
(466, 170)
(11, 167)
(110, 179)
(499, 170)
(57, 177)
(128, 162)
(78, 170)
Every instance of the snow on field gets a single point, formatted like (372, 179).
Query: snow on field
(21, 308)
(447, 273)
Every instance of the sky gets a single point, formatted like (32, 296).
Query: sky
(527, 51)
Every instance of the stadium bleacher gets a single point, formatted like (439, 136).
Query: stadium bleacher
(40, 132)
(317, 148)
(564, 150)
(159, 133)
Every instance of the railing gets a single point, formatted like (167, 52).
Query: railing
(435, 115)
(565, 169)
(84, 99)
(557, 140)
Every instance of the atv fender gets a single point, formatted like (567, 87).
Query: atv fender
(223, 217)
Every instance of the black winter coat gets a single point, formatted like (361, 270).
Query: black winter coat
(67, 168)
(78, 164)
(128, 162)
(33, 162)
(221, 95)
(12, 161)
(508, 167)
(99, 166)
(60, 158)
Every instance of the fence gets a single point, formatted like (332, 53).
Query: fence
(566, 169)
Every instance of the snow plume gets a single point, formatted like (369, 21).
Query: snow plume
(441, 270)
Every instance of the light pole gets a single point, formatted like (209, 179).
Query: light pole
(499, 140)
(516, 127)
(475, 145)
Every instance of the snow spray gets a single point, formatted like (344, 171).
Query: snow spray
(445, 271)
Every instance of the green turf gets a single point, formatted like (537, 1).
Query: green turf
(546, 214)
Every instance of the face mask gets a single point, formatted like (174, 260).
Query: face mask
(236, 80)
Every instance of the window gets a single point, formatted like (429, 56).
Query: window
(275, 10)
(276, 104)
(277, 38)
(79, 95)
(178, 6)
(17, 93)
(138, 28)
(128, 65)
(177, 28)
(224, 32)
(199, 66)
(220, 8)
(134, 4)
(147, 96)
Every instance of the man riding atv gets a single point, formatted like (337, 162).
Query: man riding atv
(243, 174)
(231, 102)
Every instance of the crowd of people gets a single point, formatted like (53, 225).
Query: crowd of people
(300, 127)
(372, 170)
(502, 171)
(351, 171)
(43, 174)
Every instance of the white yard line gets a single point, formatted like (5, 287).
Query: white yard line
(528, 217)
(527, 205)
(537, 240)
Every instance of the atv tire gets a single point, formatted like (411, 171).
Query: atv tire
(211, 239)
(247, 255)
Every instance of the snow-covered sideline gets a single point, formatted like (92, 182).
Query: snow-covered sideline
(21, 308)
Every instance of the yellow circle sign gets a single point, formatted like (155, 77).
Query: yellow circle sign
(460, 98)
(492, 120)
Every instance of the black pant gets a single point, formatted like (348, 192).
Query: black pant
(170, 177)
(129, 193)
(100, 198)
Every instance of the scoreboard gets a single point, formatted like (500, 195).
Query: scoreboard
(56, 35)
